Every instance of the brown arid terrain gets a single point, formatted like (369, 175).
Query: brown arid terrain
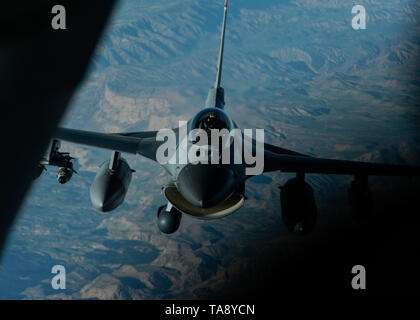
(294, 68)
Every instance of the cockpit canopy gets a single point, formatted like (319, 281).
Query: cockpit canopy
(211, 118)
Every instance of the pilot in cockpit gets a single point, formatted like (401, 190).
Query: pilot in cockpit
(211, 121)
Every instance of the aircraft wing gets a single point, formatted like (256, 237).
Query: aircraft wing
(278, 150)
(143, 143)
(305, 164)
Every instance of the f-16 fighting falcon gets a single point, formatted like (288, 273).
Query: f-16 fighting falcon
(213, 190)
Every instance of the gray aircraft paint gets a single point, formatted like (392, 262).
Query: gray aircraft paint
(207, 185)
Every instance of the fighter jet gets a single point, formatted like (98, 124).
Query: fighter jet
(210, 191)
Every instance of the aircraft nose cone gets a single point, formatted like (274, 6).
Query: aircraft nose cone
(205, 185)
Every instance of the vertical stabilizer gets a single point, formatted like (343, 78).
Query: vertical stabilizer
(222, 44)
(216, 96)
